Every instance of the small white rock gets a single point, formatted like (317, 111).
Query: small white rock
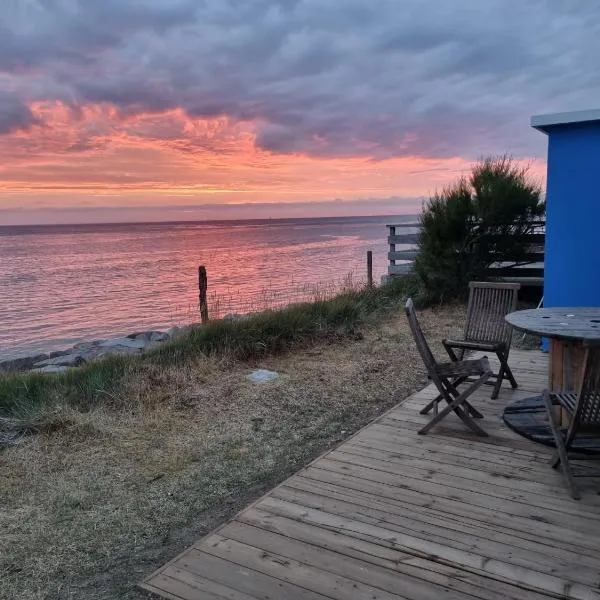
(262, 375)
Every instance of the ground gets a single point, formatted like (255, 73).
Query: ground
(91, 508)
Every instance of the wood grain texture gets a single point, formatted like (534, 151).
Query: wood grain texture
(390, 514)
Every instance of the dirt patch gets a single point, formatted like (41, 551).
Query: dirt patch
(90, 507)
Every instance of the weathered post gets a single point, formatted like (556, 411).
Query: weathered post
(369, 268)
(202, 286)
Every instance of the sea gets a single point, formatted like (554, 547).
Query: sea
(65, 284)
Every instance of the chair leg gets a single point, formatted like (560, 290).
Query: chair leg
(456, 405)
(451, 385)
(425, 410)
(473, 411)
(498, 384)
(561, 451)
(503, 373)
(511, 377)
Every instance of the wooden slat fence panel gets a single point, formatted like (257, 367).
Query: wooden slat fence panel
(529, 270)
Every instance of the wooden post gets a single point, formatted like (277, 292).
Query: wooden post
(369, 268)
(202, 285)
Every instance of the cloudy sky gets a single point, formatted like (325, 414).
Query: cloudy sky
(162, 108)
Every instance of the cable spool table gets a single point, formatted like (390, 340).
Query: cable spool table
(568, 331)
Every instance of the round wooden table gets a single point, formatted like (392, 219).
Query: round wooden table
(567, 329)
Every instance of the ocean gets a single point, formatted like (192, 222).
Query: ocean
(60, 285)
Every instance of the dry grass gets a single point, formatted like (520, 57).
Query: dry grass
(95, 502)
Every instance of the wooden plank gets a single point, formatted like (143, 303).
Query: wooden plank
(185, 585)
(390, 558)
(399, 269)
(402, 255)
(454, 482)
(350, 568)
(237, 576)
(526, 480)
(456, 534)
(483, 496)
(405, 503)
(404, 238)
(305, 576)
(470, 561)
(550, 525)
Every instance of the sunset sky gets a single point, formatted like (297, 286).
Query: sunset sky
(115, 110)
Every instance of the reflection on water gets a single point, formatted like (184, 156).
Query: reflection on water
(61, 285)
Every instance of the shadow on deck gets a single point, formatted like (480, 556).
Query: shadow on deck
(390, 514)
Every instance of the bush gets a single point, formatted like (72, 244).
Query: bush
(474, 223)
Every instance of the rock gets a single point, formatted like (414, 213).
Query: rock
(52, 369)
(175, 332)
(21, 364)
(124, 342)
(262, 375)
(158, 336)
(235, 318)
(88, 345)
(56, 353)
(66, 360)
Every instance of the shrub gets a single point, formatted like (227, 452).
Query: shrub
(476, 222)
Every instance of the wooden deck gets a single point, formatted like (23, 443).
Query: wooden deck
(390, 514)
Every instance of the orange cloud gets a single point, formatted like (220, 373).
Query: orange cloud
(105, 157)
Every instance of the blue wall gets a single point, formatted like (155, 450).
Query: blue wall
(572, 256)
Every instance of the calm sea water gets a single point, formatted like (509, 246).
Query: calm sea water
(60, 285)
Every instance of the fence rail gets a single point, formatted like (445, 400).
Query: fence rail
(529, 271)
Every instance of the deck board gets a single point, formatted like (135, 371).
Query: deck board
(393, 515)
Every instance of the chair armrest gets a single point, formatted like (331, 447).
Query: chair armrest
(449, 347)
(472, 345)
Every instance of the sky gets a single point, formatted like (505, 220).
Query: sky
(114, 110)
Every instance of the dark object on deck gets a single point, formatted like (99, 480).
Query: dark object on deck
(369, 268)
(583, 410)
(202, 286)
(447, 377)
(528, 417)
(486, 328)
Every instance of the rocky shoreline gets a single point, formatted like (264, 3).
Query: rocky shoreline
(85, 352)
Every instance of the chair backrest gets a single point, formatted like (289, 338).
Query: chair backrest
(587, 411)
(489, 303)
(421, 342)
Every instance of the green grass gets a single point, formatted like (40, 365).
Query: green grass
(29, 401)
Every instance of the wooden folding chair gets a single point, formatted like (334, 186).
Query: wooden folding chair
(582, 411)
(447, 377)
(486, 329)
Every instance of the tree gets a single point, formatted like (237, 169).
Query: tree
(474, 223)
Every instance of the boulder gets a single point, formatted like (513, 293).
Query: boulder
(21, 364)
(158, 336)
(124, 342)
(56, 353)
(65, 360)
(51, 369)
(88, 345)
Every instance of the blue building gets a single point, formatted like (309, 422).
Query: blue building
(572, 253)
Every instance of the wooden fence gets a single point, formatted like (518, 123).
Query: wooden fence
(529, 271)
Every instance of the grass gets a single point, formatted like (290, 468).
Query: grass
(27, 399)
(135, 459)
